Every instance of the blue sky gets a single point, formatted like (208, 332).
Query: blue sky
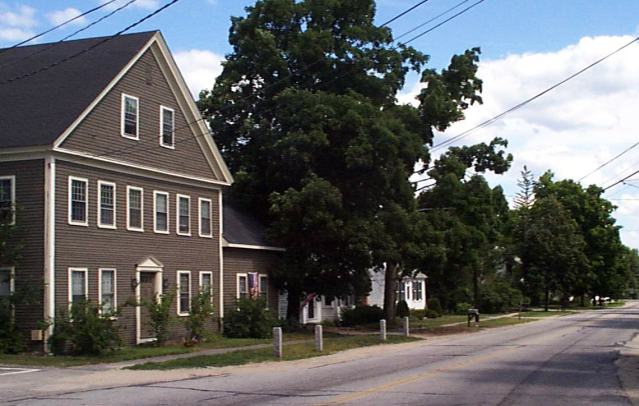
(527, 45)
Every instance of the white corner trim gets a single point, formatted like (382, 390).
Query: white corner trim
(221, 254)
(49, 247)
(256, 247)
(128, 208)
(157, 193)
(177, 214)
(115, 205)
(179, 273)
(72, 222)
(199, 217)
(137, 117)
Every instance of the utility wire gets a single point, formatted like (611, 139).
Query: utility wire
(430, 20)
(92, 47)
(73, 34)
(531, 99)
(62, 24)
(609, 161)
(623, 180)
(400, 15)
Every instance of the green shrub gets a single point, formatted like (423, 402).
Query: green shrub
(160, 316)
(201, 310)
(418, 313)
(434, 305)
(402, 309)
(249, 319)
(462, 308)
(84, 331)
(362, 314)
(499, 297)
(11, 341)
(431, 314)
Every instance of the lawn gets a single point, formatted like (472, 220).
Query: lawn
(291, 352)
(139, 352)
(440, 321)
(541, 313)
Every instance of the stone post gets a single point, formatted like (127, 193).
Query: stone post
(319, 338)
(382, 330)
(277, 342)
(406, 326)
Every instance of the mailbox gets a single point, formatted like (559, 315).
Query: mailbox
(473, 314)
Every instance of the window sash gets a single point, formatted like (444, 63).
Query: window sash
(107, 204)
(135, 207)
(130, 116)
(184, 215)
(184, 303)
(417, 290)
(78, 197)
(107, 290)
(5, 282)
(264, 287)
(78, 286)
(242, 282)
(161, 212)
(207, 283)
(168, 127)
(7, 199)
(205, 218)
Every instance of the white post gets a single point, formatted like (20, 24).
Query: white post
(319, 338)
(406, 327)
(277, 342)
(382, 330)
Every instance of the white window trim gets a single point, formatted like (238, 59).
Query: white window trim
(155, 212)
(70, 283)
(12, 275)
(178, 293)
(12, 178)
(162, 144)
(237, 284)
(177, 214)
(199, 216)
(137, 121)
(115, 222)
(115, 286)
(128, 211)
(72, 222)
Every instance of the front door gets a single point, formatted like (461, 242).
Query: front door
(147, 294)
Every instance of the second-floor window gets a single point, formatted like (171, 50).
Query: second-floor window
(78, 201)
(205, 218)
(130, 116)
(7, 199)
(106, 204)
(135, 208)
(183, 215)
(161, 213)
(167, 127)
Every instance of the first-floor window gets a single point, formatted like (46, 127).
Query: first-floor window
(206, 282)
(7, 199)
(6, 284)
(264, 288)
(78, 285)
(242, 286)
(78, 201)
(107, 290)
(135, 208)
(417, 290)
(402, 291)
(184, 292)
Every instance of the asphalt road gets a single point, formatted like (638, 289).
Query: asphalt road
(561, 361)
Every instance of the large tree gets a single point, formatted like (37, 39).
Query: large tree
(305, 115)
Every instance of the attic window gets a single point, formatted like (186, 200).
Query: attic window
(130, 116)
(167, 127)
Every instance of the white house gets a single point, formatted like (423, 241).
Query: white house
(411, 289)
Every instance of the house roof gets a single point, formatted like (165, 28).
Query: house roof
(39, 107)
(241, 228)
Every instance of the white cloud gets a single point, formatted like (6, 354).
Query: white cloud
(199, 67)
(15, 34)
(60, 16)
(570, 130)
(144, 4)
(22, 17)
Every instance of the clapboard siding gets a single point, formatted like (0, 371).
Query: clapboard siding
(92, 247)
(100, 132)
(240, 260)
(29, 271)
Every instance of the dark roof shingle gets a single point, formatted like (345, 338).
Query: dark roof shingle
(38, 108)
(242, 228)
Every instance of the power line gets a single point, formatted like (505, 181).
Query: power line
(58, 26)
(73, 34)
(622, 180)
(84, 51)
(531, 99)
(444, 22)
(609, 161)
(400, 15)
(430, 20)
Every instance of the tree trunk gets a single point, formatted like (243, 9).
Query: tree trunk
(475, 289)
(583, 300)
(547, 300)
(390, 301)
(294, 302)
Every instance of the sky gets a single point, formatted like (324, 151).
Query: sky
(527, 45)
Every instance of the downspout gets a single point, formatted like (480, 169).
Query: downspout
(49, 248)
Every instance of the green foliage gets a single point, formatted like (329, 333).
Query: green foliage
(201, 311)
(160, 316)
(361, 314)
(499, 297)
(11, 341)
(249, 319)
(402, 309)
(434, 305)
(462, 308)
(431, 314)
(84, 331)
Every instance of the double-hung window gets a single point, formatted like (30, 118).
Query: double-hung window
(7, 199)
(167, 127)
(130, 117)
(183, 213)
(78, 285)
(184, 292)
(417, 290)
(161, 212)
(264, 288)
(108, 301)
(135, 208)
(206, 283)
(205, 217)
(242, 286)
(78, 201)
(106, 204)
(6, 282)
